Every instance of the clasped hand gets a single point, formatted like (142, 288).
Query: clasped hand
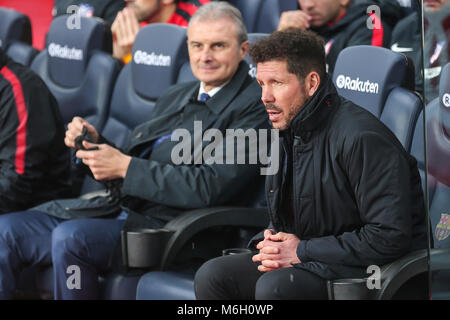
(277, 251)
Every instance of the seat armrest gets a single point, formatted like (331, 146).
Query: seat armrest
(392, 277)
(192, 222)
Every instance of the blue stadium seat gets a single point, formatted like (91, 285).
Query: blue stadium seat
(437, 180)
(15, 36)
(168, 285)
(250, 11)
(78, 68)
(252, 38)
(270, 12)
(380, 81)
(438, 151)
(418, 152)
(366, 75)
(154, 68)
(400, 114)
(22, 53)
(263, 16)
(14, 26)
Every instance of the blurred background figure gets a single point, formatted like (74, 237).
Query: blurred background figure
(406, 38)
(105, 9)
(139, 13)
(344, 23)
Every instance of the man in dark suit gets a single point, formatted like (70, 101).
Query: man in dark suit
(155, 186)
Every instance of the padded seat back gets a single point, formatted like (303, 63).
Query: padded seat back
(14, 26)
(22, 53)
(438, 151)
(77, 67)
(380, 81)
(366, 75)
(400, 114)
(154, 68)
(252, 38)
(270, 12)
(249, 10)
(263, 16)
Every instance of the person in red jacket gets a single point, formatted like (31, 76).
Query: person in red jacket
(344, 23)
(139, 13)
(34, 162)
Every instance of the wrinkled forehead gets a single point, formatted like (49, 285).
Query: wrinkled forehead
(272, 69)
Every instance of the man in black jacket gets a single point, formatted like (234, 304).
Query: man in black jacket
(347, 194)
(34, 163)
(344, 23)
(156, 185)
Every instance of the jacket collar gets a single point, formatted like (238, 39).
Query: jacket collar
(222, 98)
(316, 109)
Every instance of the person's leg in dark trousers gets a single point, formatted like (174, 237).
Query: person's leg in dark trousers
(291, 284)
(82, 247)
(25, 239)
(237, 277)
(227, 277)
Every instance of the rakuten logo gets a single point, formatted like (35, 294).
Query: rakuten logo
(446, 100)
(344, 82)
(58, 51)
(152, 59)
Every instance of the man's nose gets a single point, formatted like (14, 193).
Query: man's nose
(205, 55)
(267, 96)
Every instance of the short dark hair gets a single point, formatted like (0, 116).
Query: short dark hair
(303, 50)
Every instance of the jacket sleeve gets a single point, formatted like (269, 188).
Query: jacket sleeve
(196, 186)
(378, 173)
(36, 137)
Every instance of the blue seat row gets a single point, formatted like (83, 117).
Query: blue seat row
(88, 82)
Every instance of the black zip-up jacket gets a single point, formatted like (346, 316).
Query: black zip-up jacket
(352, 29)
(34, 162)
(346, 188)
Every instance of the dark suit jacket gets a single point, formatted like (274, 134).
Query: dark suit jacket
(155, 181)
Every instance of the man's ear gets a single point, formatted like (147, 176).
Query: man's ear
(167, 2)
(244, 48)
(312, 83)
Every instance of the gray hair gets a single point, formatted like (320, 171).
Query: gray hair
(218, 10)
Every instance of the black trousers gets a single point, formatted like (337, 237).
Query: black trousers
(237, 277)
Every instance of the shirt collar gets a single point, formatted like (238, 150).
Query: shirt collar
(211, 92)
